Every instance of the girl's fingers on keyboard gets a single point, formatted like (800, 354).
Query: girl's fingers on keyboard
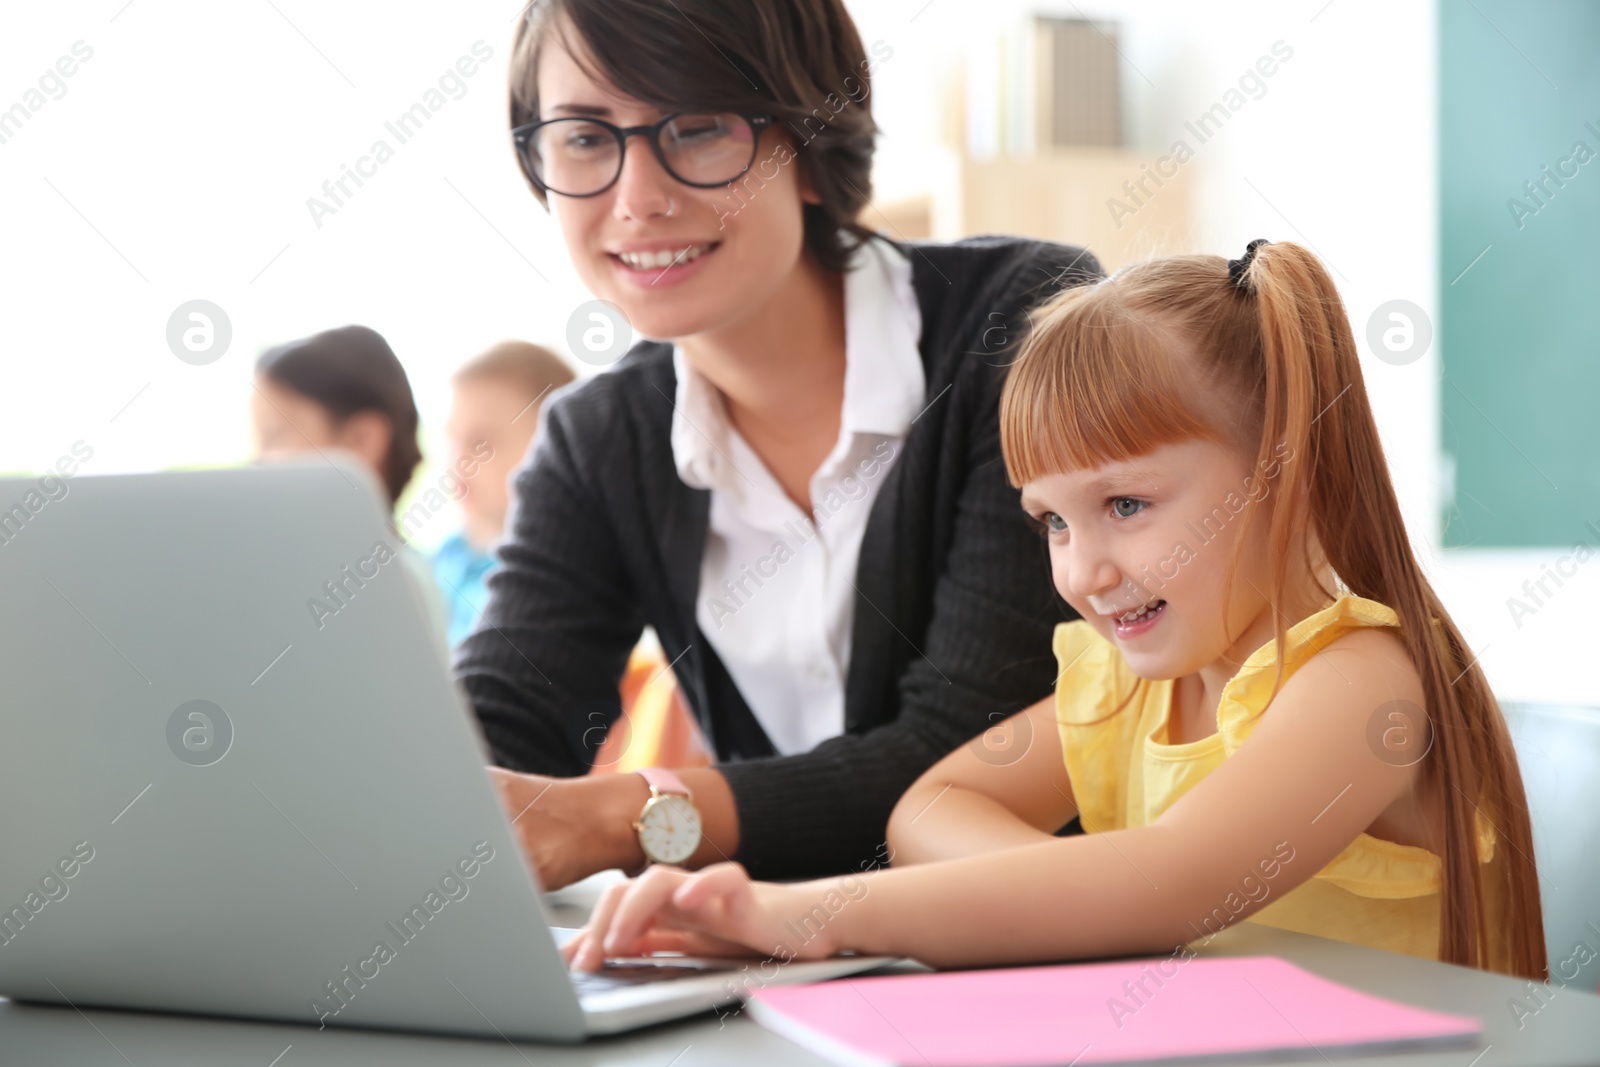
(569, 951)
(590, 954)
(691, 943)
(637, 909)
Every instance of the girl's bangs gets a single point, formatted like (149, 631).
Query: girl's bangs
(1096, 383)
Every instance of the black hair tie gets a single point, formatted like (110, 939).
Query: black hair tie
(1238, 267)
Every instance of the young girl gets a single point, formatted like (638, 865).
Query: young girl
(345, 389)
(341, 388)
(1238, 721)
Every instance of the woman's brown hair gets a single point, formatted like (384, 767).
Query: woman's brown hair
(1113, 370)
(799, 61)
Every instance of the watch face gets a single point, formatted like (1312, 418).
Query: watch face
(669, 829)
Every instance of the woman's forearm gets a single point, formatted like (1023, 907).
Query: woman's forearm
(949, 822)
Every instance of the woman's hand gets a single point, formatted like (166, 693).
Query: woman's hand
(715, 912)
(569, 828)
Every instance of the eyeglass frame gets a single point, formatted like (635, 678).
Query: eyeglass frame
(521, 136)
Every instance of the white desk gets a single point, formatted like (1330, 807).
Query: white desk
(1565, 1033)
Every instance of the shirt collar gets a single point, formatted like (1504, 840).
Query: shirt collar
(883, 376)
(699, 426)
(884, 379)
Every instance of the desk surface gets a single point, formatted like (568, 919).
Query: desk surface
(1564, 1032)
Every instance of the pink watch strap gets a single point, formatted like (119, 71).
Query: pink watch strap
(665, 781)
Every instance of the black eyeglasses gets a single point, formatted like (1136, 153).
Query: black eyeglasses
(583, 157)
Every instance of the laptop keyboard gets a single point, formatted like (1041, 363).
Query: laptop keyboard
(621, 975)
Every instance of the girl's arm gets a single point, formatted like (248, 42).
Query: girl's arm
(1292, 798)
(1006, 787)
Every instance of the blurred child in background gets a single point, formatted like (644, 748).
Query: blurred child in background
(494, 409)
(344, 389)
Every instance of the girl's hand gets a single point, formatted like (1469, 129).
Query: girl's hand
(718, 911)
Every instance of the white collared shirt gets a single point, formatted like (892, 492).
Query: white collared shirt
(777, 587)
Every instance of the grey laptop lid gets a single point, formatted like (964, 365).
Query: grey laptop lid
(235, 777)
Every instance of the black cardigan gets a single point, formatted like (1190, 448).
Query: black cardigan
(953, 616)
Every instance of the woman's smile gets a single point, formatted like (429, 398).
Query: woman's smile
(654, 264)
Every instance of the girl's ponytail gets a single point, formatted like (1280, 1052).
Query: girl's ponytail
(1315, 402)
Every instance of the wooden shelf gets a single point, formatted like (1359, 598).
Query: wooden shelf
(1059, 195)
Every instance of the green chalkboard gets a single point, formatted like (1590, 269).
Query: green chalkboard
(1519, 267)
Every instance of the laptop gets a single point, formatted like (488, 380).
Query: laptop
(237, 779)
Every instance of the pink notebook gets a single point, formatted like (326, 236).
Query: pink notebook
(1165, 1010)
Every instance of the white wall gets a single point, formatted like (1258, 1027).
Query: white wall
(1329, 155)
(191, 142)
(178, 164)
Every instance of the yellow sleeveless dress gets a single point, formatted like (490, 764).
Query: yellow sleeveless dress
(1124, 774)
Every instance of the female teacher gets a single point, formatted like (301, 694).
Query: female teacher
(799, 487)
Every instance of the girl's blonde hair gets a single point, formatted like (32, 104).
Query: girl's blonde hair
(1174, 349)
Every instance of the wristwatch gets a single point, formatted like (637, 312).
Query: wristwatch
(669, 826)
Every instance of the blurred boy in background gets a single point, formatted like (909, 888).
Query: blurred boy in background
(494, 410)
(493, 413)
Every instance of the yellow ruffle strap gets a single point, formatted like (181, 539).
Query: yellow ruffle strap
(1249, 692)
